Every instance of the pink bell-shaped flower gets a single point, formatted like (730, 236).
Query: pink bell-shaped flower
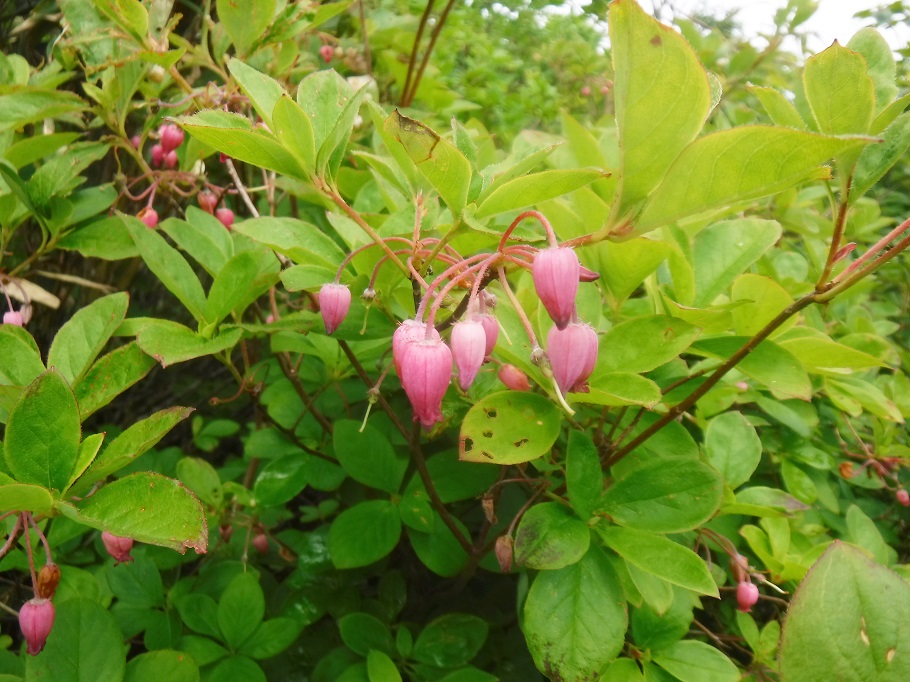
(36, 619)
(746, 596)
(334, 303)
(573, 354)
(118, 547)
(514, 378)
(556, 272)
(469, 340)
(490, 330)
(158, 154)
(407, 332)
(426, 369)
(13, 317)
(171, 137)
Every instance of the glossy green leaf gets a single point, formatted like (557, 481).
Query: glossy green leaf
(451, 640)
(724, 250)
(381, 668)
(81, 338)
(165, 664)
(733, 447)
(662, 98)
(619, 388)
(529, 190)
(662, 557)
(262, 91)
(203, 237)
(243, 279)
(169, 342)
(759, 300)
(438, 160)
(623, 670)
(877, 159)
(240, 609)
(820, 354)
(845, 622)
(437, 548)
(245, 20)
(30, 106)
(237, 668)
(329, 154)
(368, 457)
(24, 497)
(41, 442)
(88, 450)
(323, 96)
(584, 478)
(271, 638)
(202, 478)
(778, 107)
(693, 661)
(880, 63)
(362, 632)
(168, 265)
(574, 619)
(85, 645)
(666, 495)
(106, 238)
(509, 428)
(294, 131)
(20, 359)
(550, 537)
(300, 241)
(644, 343)
(110, 376)
(838, 109)
(135, 441)
(737, 165)
(146, 507)
(280, 480)
(364, 533)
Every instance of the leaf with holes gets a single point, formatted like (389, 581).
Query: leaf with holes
(509, 428)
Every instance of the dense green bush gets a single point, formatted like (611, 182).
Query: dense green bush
(673, 264)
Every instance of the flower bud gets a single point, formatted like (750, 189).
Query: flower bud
(469, 342)
(426, 369)
(13, 317)
(573, 354)
(135, 140)
(585, 90)
(226, 216)
(587, 275)
(157, 155)
(503, 551)
(207, 202)
(491, 331)
(261, 543)
(171, 160)
(514, 378)
(118, 547)
(903, 497)
(334, 303)
(149, 216)
(407, 332)
(746, 596)
(48, 579)
(171, 137)
(326, 52)
(36, 619)
(556, 272)
(739, 567)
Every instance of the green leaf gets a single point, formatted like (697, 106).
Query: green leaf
(451, 640)
(368, 457)
(130, 15)
(584, 478)
(23, 497)
(819, 354)
(738, 165)
(88, 450)
(381, 668)
(623, 670)
(323, 96)
(237, 668)
(300, 241)
(202, 478)
(135, 441)
(364, 533)
(110, 376)
(845, 622)
(362, 632)
(262, 91)
(271, 638)
(691, 661)
(165, 664)
(550, 537)
(438, 160)
(169, 266)
(235, 136)
(529, 190)
(81, 338)
(732, 447)
(437, 548)
(243, 279)
(662, 557)
(575, 618)
(41, 443)
(294, 131)
(329, 153)
(644, 343)
(203, 237)
(509, 428)
(280, 480)
(245, 20)
(877, 159)
(85, 645)
(662, 98)
(240, 609)
(169, 342)
(768, 363)
(30, 106)
(778, 107)
(666, 495)
(725, 250)
(20, 359)
(106, 238)
(838, 109)
(880, 63)
(759, 300)
(146, 507)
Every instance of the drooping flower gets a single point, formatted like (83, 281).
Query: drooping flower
(157, 155)
(118, 547)
(13, 317)
(408, 331)
(334, 303)
(426, 369)
(171, 137)
(514, 378)
(207, 202)
(149, 216)
(556, 272)
(746, 596)
(469, 341)
(573, 355)
(226, 216)
(491, 331)
(36, 619)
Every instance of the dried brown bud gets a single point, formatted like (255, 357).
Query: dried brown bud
(48, 579)
(503, 552)
(846, 469)
(489, 508)
(739, 566)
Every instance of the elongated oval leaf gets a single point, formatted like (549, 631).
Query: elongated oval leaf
(111, 374)
(24, 497)
(294, 131)
(529, 190)
(550, 537)
(262, 91)
(300, 241)
(169, 342)
(838, 109)
(364, 533)
(367, 456)
(509, 428)
(245, 20)
(82, 337)
(644, 343)
(20, 359)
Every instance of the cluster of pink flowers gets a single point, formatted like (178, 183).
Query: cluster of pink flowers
(424, 361)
